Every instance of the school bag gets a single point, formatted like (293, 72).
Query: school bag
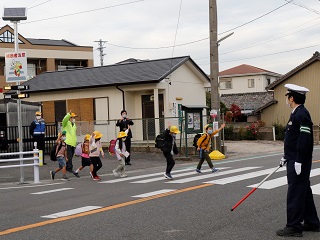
(54, 152)
(159, 141)
(112, 147)
(196, 138)
(78, 150)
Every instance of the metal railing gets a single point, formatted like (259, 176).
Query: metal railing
(37, 161)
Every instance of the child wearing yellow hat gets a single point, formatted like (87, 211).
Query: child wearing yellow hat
(121, 153)
(85, 159)
(95, 151)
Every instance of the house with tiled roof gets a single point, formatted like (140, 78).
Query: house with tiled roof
(245, 79)
(307, 75)
(43, 54)
(147, 89)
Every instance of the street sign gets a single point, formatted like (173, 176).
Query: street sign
(16, 96)
(16, 67)
(17, 87)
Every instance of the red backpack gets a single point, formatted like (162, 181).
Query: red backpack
(112, 147)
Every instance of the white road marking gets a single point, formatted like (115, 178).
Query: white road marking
(32, 186)
(281, 181)
(174, 176)
(141, 176)
(54, 190)
(216, 174)
(71, 212)
(245, 176)
(316, 189)
(153, 193)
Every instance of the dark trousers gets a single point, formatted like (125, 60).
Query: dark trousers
(300, 204)
(70, 153)
(170, 162)
(97, 164)
(128, 149)
(205, 156)
(39, 139)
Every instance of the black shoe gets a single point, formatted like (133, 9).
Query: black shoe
(289, 232)
(44, 163)
(310, 228)
(128, 163)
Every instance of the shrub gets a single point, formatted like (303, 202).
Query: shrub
(228, 132)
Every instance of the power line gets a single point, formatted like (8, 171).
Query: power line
(77, 13)
(39, 4)
(303, 6)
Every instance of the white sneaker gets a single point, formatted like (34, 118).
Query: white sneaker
(115, 173)
(124, 175)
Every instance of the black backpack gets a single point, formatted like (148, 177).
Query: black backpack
(196, 138)
(54, 152)
(159, 142)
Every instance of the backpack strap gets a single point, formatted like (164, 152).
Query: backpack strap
(203, 139)
(59, 148)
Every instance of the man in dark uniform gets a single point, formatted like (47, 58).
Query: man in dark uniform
(298, 147)
(123, 124)
(37, 131)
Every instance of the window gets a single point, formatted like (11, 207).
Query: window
(225, 84)
(7, 37)
(101, 115)
(250, 83)
(268, 81)
(31, 70)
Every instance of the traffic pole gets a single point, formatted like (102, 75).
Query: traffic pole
(254, 189)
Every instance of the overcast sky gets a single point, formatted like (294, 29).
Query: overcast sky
(269, 34)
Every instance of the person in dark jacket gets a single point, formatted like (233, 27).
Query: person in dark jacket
(123, 123)
(298, 148)
(37, 131)
(169, 148)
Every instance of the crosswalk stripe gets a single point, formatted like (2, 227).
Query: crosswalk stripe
(175, 176)
(216, 174)
(316, 189)
(241, 177)
(281, 181)
(54, 190)
(142, 176)
(144, 195)
(71, 212)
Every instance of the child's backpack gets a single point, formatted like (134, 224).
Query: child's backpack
(112, 147)
(196, 138)
(54, 152)
(78, 150)
(159, 142)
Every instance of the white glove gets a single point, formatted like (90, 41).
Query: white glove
(297, 167)
(283, 162)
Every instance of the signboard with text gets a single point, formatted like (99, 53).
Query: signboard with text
(16, 67)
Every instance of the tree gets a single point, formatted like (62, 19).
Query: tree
(236, 111)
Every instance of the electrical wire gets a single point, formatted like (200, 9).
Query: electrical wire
(77, 13)
(39, 4)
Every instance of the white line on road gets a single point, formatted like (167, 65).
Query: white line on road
(142, 176)
(281, 181)
(216, 174)
(71, 212)
(32, 186)
(153, 193)
(177, 175)
(316, 189)
(54, 190)
(245, 176)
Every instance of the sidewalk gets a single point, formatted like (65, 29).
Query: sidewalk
(140, 161)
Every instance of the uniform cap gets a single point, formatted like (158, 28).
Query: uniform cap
(97, 134)
(174, 129)
(38, 113)
(63, 133)
(295, 88)
(122, 134)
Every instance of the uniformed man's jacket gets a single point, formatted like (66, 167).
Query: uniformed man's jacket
(298, 141)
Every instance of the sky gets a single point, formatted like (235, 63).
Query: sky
(276, 35)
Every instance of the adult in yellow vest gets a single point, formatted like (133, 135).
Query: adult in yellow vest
(69, 125)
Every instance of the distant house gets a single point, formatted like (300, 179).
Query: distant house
(245, 79)
(306, 74)
(43, 54)
(248, 102)
(145, 88)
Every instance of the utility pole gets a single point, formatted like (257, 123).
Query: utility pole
(100, 48)
(214, 63)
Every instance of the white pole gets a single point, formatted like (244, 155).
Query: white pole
(274, 132)
(36, 174)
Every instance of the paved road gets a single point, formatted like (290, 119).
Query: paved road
(146, 206)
